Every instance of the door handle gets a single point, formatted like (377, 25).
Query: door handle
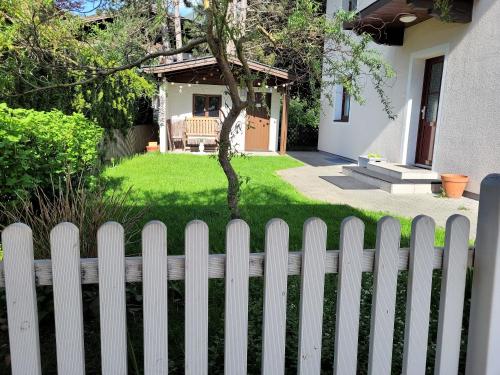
(422, 112)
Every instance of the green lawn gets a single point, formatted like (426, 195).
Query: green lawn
(178, 188)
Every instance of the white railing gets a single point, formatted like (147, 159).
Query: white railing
(112, 270)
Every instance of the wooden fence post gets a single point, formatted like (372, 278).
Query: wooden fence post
(483, 346)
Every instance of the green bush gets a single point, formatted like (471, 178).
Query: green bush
(39, 147)
(301, 113)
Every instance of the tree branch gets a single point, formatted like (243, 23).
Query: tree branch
(101, 73)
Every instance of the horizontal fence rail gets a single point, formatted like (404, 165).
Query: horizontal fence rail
(20, 275)
(217, 265)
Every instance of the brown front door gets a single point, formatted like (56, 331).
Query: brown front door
(429, 110)
(257, 129)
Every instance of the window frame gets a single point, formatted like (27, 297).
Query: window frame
(207, 101)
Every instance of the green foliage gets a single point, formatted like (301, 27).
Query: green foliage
(37, 147)
(40, 46)
(112, 103)
(304, 113)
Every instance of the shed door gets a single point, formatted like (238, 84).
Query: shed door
(257, 128)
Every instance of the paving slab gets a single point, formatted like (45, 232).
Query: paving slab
(312, 179)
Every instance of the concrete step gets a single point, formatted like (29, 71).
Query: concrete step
(391, 184)
(403, 172)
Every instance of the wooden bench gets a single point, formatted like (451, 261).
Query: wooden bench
(201, 129)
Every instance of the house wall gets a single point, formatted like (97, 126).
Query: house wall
(468, 127)
(179, 106)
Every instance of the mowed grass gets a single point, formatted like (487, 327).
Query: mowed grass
(178, 188)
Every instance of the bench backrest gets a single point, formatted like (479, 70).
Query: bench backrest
(209, 126)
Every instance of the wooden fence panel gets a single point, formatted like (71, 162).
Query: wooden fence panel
(384, 296)
(452, 295)
(348, 296)
(311, 296)
(66, 272)
(196, 309)
(68, 306)
(155, 298)
(22, 312)
(419, 295)
(236, 309)
(275, 295)
(112, 303)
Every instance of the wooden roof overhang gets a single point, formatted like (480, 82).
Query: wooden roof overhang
(381, 18)
(205, 71)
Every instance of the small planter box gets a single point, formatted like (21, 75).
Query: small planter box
(363, 160)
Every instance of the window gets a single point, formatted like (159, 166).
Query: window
(206, 105)
(342, 104)
(350, 5)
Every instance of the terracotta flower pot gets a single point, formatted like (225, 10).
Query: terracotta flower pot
(454, 184)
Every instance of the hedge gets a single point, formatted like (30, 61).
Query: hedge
(37, 148)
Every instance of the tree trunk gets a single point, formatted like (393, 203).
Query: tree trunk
(224, 156)
(178, 29)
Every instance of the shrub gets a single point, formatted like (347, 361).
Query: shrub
(36, 147)
(301, 113)
(72, 201)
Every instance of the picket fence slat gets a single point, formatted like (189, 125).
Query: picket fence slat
(452, 295)
(217, 266)
(236, 307)
(155, 298)
(196, 309)
(348, 296)
(311, 296)
(419, 295)
(384, 296)
(275, 295)
(68, 306)
(22, 312)
(112, 304)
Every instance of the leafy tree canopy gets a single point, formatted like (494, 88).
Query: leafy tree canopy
(43, 44)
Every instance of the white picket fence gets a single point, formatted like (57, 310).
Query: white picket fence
(20, 275)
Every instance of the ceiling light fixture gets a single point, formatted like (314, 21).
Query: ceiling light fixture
(407, 18)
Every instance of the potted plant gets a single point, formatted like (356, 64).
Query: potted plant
(454, 184)
(363, 160)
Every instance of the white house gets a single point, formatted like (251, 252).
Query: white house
(446, 94)
(193, 101)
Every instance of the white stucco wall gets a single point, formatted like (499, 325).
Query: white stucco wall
(468, 130)
(179, 106)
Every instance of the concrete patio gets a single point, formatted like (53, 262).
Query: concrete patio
(321, 178)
